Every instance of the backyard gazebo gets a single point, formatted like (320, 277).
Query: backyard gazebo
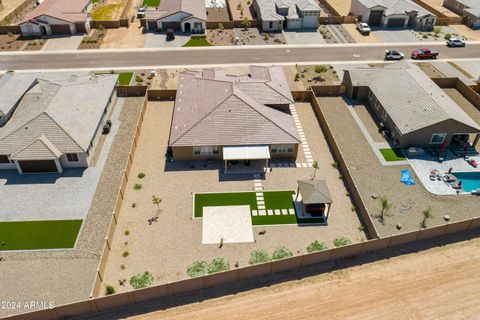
(315, 196)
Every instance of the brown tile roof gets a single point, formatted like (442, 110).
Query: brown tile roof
(67, 10)
(195, 8)
(213, 108)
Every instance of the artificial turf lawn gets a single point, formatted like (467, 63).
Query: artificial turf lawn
(124, 78)
(151, 3)
(224, 199)
(29, 235)
(197, 42)
(392, 154)
(278, 199)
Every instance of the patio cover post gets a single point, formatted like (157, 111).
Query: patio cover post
(225, 166)
(477, 138)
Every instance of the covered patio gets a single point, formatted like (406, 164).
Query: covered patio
(245, 159)
(313, 199)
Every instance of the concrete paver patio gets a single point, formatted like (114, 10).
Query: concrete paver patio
(227, 224)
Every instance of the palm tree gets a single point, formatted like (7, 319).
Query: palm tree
(156, 201)
(427, 213)
(386, 205)
(315, 168)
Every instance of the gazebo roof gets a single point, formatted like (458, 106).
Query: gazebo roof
(314, 191)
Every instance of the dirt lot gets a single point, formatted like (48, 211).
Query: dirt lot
(131, 37)
(438, 5)
(10, 5)
(217, 15)
(108, 10)
(237, 12)
(466, 32)
(371, 178)
(151, 247)
(341, 6)
(309, 76)
(430, 70)
(437, 283)
(219, 37)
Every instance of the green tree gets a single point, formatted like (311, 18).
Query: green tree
(221, 26)
(436, 31)
(157, 201)
(245, 23)
(386, 206)
(315, 168)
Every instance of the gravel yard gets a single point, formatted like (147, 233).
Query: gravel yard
(166, 247)
(438, 5)
(371, 178)
(254, 36)
(63, 276)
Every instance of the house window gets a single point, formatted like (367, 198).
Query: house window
(72, 157)
(377, 105)
(270, 24)
(4, 158)
(438, 138)
(282, 148)
(206, 150)
(384, 114)
(197, 25)
(370, 95)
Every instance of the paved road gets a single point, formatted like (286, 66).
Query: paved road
(212, 56)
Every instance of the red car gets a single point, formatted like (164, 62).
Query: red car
(424, 53)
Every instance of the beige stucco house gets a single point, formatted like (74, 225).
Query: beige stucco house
(55, 123)
(411, 106)
(57, 17)
(188, 16)
(232, 118)
(466, 8)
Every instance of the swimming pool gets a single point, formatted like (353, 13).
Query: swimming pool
(470, 180)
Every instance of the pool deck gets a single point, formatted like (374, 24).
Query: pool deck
(424, 165)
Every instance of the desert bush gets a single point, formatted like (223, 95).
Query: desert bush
(109, 290)
(340, 242)
(259, 256)
(281, 252)
(316, 246)
(197, 269)
(141, 280)
(218, 265)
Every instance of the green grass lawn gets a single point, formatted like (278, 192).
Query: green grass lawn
(278, 199)
(124, 78)
(392, 154)
(223, 199)
(29, 235)
(197, 42)
(151, 3)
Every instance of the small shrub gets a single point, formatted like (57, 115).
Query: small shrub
(141, 280)
(316, 246)
(249, 2)
(361, 228)
(218, 265)
(425, 36)
(221, 26)
(259, 256)
(109, 290)
(197, 269)
(127, 232)
(347, 194)
(335, 164)
(239, 6)
(134, 205)
(266, 37)
(448, 36)
(340, 242)
(297, 77)
(125, 254)
(281, 252)
(141, 175)
(137, 186)
(340, 176)
(122, 267)
(321, 68)
(354, 208)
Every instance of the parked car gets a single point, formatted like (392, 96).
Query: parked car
(170, 34)
(454, 42)
(393, 55)
(363, 28)
(141, 12)
(424, 53)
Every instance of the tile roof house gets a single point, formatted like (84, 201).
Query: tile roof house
(246, 117)
(12, 88)
(415, 109)
(393, 13)
(57, 17)
(188, 16)
(466, 8)
(56, 123)
(291, 14)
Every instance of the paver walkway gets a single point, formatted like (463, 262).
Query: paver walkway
(298, 124)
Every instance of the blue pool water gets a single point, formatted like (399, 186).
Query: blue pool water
(470, 180)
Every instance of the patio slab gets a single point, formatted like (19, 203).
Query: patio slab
(233, 224)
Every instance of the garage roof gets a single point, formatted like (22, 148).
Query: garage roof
(396, 7)
(12, 88)
(194, 8)
(67, 10)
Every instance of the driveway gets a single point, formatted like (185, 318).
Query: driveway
(63, 43)
(310, 36)
(159, 40)
(396, 35)
(54, 196)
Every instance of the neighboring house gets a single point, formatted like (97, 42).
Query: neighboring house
(219, 116)
(188, 16)
(393, 13)
(56, 123)
(466, 8)
(415, 110)
(12, 88)
(57, 17)
(276, 15)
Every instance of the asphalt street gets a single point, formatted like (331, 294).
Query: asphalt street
(216, 55)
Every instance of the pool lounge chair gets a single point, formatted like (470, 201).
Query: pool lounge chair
(449, 178)
(433, 175)
(457, 186)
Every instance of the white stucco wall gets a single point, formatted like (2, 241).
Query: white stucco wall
(192, 22)
(311, 21)
(294, 24)
(358, 9)
(82, 161)
(276, 26)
